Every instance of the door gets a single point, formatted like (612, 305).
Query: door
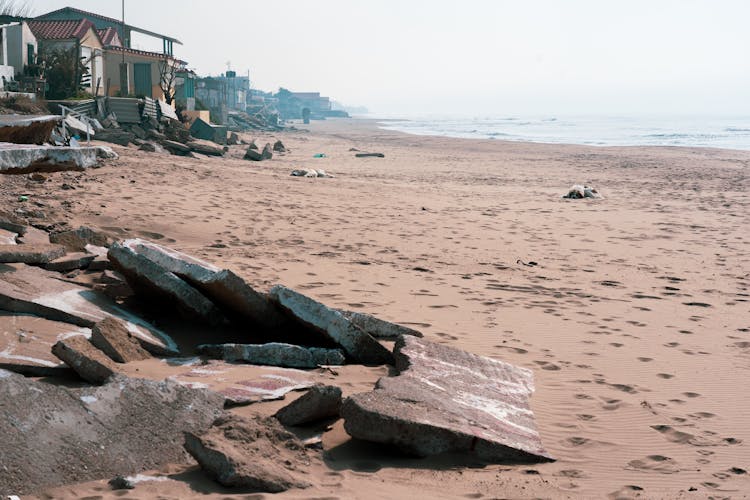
(142, 79)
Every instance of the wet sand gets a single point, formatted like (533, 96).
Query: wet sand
(635, 318)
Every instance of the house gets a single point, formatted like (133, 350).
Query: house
(77, 35)
(19, 49)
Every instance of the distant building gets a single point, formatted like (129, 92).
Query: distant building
(19, 49)
(318, 105)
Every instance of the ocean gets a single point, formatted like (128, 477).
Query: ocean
(700, 131)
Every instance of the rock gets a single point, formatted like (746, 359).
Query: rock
(31, 253)
(448, 400)
(121, 483)
(267, 152)
(106, 153)
(115, 136)
(7, 237)
(321, 401)
(369, 155)
(76, 240)
(278, 146)
(274, 354)
(322, 173)
(304, 172)
(233, 139)
(256, 453)
(223, 287)
(204, 148)
(31, 290)
(253, 155)
(357, 344)
(111, 336)
(152, 281)
(27, 129)
(148, 147)
(73, 435)
(253, 145)
(578, 191)
(155, 135)
(86, 360)
(138, 131)
(176, 148)
(34, 236)
(100, 263)
(25, 158)
(10, 222)
(69, 262)
(378, 328)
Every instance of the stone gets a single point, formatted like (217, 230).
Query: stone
(69, 262)
(138, 131)
(253, 145)
(204, 148)
(27, 129)
(253, 154)
(379, 328)
(30, 253)
(148, 147)
(255, 453)
(115, 136)
(267, 152)
(111, 336)
(76, 240)
(11, 222)
(27, 158)
(357, 344)
(72, 435)
(369, 155)
(31, 290)
(106, 153)
(86, 360)
(7, 237)
(155, 135)
(34, 236)
(233, 139)
(225, 289)
(448, 400)
(321, 401)
(176, 148)
(278, 146)
(152, 281)
(274, 354)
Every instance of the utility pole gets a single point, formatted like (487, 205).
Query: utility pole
(124, 90)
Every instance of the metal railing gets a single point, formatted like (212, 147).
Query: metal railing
(75, 114)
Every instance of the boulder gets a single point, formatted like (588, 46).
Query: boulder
(253, 154)
(255, 453)
(369, 155)
(278, 146)
(233, 139)
(267, 152)
(70, 262)
(357, 344)
(151, 280)
(274, 354)
(26, 158)
(225, 289)
(31, 290)
(321, 401)
(72, 435)
(205, 148)
(115, 136)
(111, 336)
(379, 328)
(30, 253)
(76, 240)
(448, 400)
(86, 360)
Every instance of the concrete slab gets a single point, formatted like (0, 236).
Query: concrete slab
(31, 290)
(7, 237)
(448, 400)
(26, 158)
(33, 253)
(27, 129)
(274, 354)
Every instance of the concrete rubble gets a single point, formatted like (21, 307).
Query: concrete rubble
(27, 129)
(321, 401)
(91, 364)
(31, 253)
(111, 336)
(448, 400)
(379, 328)
(274, 354)
(26, 158)
(255, 453)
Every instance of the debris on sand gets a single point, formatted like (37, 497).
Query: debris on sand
(579, 191)
(321, 401)
(309, 172)
(274, 354)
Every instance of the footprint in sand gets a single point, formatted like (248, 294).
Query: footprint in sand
(654, 463)
(664, 375)
(674, 436)
(626, 493)
(545, 365)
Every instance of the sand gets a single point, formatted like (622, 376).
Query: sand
(635, 318)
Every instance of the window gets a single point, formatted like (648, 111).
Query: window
(29, 53)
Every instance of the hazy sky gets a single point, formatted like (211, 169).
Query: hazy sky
(468, 56)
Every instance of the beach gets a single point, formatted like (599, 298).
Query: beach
(632, 310)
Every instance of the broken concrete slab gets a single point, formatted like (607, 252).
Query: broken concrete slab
(31, 290)
(274, 354)
(53, 435)
(76, 240)
(321, 401)
(268, 387)
(151, 280)
(357, 344)
(111, 336)
(27, 129)
(369, 155)
(34, 236)
(267, 152)
(10, 222)
(448, 400)
(69, 262)
(255, 453)
(24, 158)
(379, 328)
(7, 237)
(30, 253)
(91, 364)
(205, 148)
(26, 342)
(253, 154)
(224, 288)
(115, 136)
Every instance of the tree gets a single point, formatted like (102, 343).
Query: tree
(64, 72)
(168, 69)
(14, 8)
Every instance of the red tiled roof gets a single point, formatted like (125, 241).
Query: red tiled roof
(60, 30)
(109, 36)
(128, 50)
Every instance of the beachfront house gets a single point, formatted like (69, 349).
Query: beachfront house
(79, 35)
(18, 50)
